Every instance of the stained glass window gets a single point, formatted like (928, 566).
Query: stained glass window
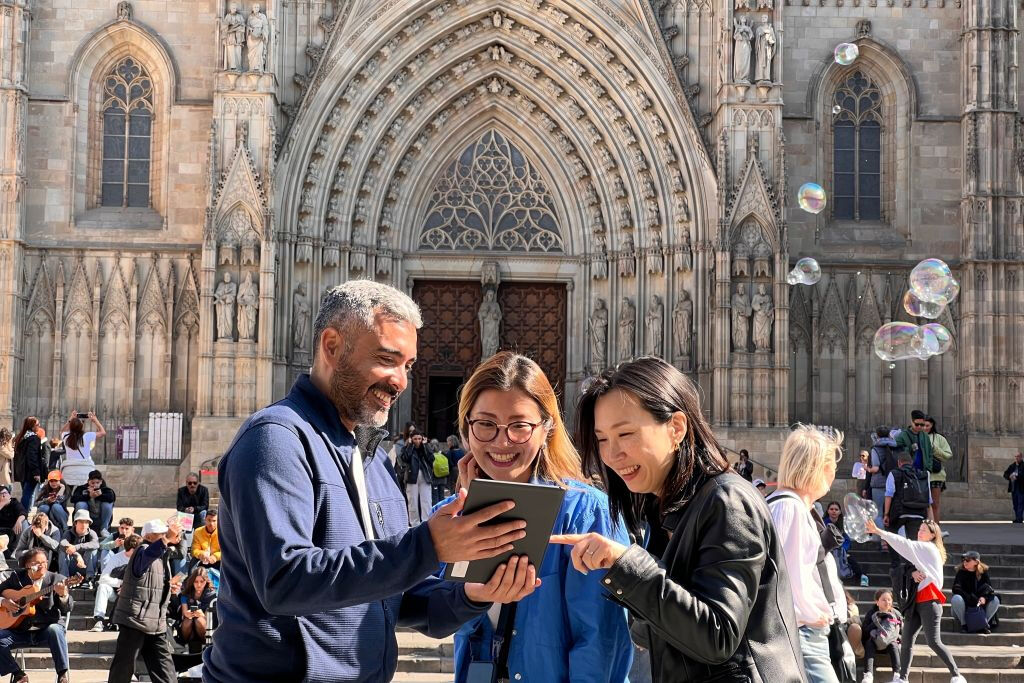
(127, 135)
(857, 150)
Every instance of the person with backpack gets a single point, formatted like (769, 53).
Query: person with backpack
(972, 590)
(881, 628)
(908, 499)
(883, 459)
(418, 465)
(915, 439)
(928, 555)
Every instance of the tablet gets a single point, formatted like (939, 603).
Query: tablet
(535, 503)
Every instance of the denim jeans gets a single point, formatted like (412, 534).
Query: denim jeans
(878, 498)
(105, 594)
(57, 513)
(53, 636)
(28, 493)
(1018, 505)
(68, 564)
(814, 648)
(959, 608)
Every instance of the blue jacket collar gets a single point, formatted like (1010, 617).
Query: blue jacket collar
(320, 411)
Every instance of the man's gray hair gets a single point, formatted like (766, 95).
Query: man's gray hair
(358, 302)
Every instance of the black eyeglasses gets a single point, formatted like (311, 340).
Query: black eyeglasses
(919, 424)
(488, 430)
(192, 483)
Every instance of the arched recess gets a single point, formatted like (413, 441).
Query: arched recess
(93, 59)
(572, 60)
(895, 81)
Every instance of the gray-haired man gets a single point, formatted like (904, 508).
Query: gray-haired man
(317, 588)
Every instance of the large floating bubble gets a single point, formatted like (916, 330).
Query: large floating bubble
(836, 109)
(856, 513)
(811, 197)
(921, 309)
(893, 341)
(931, 340)
(806, 272)
(932, 281)
(846, 53)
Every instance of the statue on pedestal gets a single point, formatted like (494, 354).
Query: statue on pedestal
(257, 35)
(248, 304)
(765, 51)
(599, 336)
(682, 323)
(300, 317)
(655, 320)
(627, 329)
(764, 315)
(224, 302)
(742, 35)
(741, 311)
(233, 37)
(490, 323)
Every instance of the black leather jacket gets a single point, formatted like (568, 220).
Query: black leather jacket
(717, 606)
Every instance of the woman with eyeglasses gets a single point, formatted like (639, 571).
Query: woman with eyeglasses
(703, 580)
(973, 588)
(565, 631)
(943, 453)
(928, 555)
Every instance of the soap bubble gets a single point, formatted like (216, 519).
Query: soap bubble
(856, 513)
(806, 272)
(846, 53)
(932, 281)
(811, 197)
(921, 309)
(836, 110)
(893, 341)
(931, 340)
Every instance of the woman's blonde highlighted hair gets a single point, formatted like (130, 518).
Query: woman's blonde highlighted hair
(804, 455)
(504, 371)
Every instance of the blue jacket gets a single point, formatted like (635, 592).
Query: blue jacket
(568, 629)
(304, 596)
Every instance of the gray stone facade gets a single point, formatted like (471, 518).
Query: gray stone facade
(307, 143)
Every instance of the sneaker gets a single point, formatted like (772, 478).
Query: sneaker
(958, 679)
(868, 678)
(945, 534)
(98, 626)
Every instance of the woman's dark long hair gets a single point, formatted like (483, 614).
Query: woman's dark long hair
(189, 588)
(76, 433)
(663, 391)
(935, 425)
(27, 427)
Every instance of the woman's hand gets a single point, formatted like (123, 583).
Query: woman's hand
(981, 602)
(511, 582)
(918, 576)
(870, 526)
(591, 551)
(468, 470)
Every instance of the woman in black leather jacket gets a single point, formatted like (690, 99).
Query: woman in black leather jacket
(708, 596)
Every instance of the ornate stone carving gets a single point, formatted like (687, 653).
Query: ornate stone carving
(766, 48)
(124, 11)
(627, 329)
(655, 326)
(599, 336)
(764, 316)
(248, 304)
(224, 302)
(257, 37)
(489, 316)
(741, 311)
(232, 37)
(742, 35)
(682, 323)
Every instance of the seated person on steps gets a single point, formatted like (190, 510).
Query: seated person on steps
(52, 498)
(78, 547)
(98, 498)
(194, 498)
(111, 576)
(206, 544)
(42, 533)
(45, 627)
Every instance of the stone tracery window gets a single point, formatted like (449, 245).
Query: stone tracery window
(857, 150)
(491, 198)
(127, 135)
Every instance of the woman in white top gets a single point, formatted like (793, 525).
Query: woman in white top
(78, 445)
(928, 555)
(806, 472)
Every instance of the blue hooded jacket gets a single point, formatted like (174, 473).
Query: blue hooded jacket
(304, 596)
(568, 629)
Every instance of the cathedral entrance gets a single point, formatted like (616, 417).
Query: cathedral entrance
(534, 316)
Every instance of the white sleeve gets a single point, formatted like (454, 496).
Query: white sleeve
(799, 547)
(922, 555)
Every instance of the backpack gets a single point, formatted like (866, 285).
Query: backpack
(915, 487)
(887, 629)
(440, 466)
(904, 588)
(888, 459)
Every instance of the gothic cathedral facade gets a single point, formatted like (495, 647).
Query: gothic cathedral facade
(583, 180)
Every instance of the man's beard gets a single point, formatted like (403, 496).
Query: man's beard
(353, 400)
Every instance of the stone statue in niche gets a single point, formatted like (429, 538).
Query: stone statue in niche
(300, 317)
(248, 304)
(741, 311)
(655, 321)
(682, 323)
(257, 35)
(490, 323)
(765, 4)
(627, 329)
(764, 315)
(765, 45)
(224, 302)
(742, 35)
(599, 336)
(233, 37)
(124, 11)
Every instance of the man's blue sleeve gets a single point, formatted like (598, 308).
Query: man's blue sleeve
(150, 554)
(438, 608)
(267, 472)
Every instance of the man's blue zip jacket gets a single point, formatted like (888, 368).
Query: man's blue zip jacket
(567, 630)
(304, 596)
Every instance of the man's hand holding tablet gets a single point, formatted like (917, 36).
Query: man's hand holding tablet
(467, 538)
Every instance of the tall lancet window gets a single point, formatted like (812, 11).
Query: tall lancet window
(127, 135)
(857, 150)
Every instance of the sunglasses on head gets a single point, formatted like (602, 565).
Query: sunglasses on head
(970, 555)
